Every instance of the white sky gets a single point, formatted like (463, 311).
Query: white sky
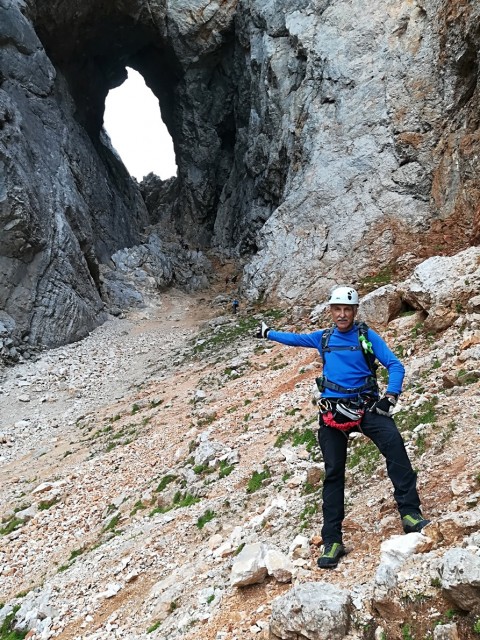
(133, 122)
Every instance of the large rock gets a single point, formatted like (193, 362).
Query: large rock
(278, 565)
(453, 526)
(443, 287)
(461, 579)
(394, 553)
(446, 632)
(313, 610)
(380, 306)
(257, 560)
(249, 566)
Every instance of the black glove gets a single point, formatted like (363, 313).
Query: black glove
(385, 405)
(262, 331)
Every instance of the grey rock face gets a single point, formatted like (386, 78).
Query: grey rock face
(318, 138)
(63, 207)
(368, 131)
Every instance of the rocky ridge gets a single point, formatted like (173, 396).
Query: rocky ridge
(160, 478)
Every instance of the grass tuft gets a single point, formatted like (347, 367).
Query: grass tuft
(11, 525)
(43, 505)
(257, 479)
(365, 454)
(164, 482)
(426, 413)
(383, 277)
(206, 517)
(111, 526)
(7, 632)
(297, 438)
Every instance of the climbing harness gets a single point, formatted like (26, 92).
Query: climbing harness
(340, 413)
(347, 413)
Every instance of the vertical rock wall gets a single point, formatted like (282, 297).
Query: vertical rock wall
(319, 140)
(385, 124)
(65, 204)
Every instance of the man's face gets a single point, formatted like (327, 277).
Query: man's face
(343, 316)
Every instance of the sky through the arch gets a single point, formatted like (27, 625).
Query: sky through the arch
(133, 122)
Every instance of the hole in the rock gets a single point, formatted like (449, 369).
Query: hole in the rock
(133, 122)
(405, 310)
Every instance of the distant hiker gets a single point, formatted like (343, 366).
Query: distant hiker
(235, 305)
(349, 401)
(227, 280)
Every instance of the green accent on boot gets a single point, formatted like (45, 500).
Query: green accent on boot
(414, 522)
(332, 553)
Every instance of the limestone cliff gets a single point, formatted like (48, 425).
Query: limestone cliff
(318, 140)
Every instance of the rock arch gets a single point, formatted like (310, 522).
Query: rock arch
(187, 63)
(59, 60)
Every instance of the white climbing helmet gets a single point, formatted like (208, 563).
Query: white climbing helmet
(343, 295)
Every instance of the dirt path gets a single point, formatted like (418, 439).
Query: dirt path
(42, 401)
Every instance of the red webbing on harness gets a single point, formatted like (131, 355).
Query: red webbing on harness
(330, 421)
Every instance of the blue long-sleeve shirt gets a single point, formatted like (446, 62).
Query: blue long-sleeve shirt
(346, 368)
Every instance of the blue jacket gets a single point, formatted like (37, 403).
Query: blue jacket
(347, 368)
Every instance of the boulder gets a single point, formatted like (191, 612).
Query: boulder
(313, 610)
(249, 566)
(446, 632)
(380, 306)
(461, 579)
(442, 286)
(278, 565)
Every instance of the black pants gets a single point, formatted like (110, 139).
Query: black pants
(384, 434)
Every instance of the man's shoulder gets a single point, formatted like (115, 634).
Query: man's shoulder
(364, 328)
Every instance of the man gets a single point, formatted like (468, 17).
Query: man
(350, 402)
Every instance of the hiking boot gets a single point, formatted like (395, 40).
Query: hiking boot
(332, 552)
(414, 522)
